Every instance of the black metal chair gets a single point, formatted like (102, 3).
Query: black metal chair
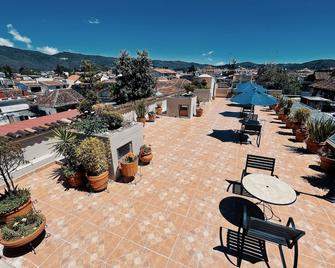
(281, 235)
(246, 110)
(252, 129)
(255, 162)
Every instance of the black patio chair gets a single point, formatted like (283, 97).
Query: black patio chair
(252, 129)
(254, 162)
(281, 235)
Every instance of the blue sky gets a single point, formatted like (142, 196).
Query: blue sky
(202, 31)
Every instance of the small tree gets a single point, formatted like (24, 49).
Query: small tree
(7, 70)
(11, 157)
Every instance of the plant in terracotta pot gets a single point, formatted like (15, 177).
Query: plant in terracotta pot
(22, 230)
(300, 117)
(280, 105)
(152, 116)
(286, 110)
(327, 158)
(318, 131)
(199, 110)
(159, 108)
(145, 154)
(92, 154)
(141, 110)
(14, 201)
(65, 146)
(129, 165)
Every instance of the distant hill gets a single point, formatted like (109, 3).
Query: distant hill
(17, 58)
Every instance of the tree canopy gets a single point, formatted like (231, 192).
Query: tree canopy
(135, 80)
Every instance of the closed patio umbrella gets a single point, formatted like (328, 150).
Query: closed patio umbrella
(254, 97)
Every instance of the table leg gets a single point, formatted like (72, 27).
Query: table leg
(268, 206)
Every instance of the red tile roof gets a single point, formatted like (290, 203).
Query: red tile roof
(59, 98)
(36, 122)
(328, 84)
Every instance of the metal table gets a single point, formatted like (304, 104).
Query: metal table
(269, 190)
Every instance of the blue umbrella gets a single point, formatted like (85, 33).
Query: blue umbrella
(248, 86)
(254, 97)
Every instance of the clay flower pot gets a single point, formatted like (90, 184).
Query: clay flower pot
(75, 181)
(281, 116)
(129, 169)
(100, 182)
(312, 146)
(159, 110)
(289, 124)
(142, 120)
(277, 109)
(327, 164)
(300, 135)
(24, 240)
(146, 157)
(199, 112)
(152, 117)
(22, 210)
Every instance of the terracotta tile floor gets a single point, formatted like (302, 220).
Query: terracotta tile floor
(171, 217)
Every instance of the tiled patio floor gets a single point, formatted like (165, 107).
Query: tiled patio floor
(171, 216)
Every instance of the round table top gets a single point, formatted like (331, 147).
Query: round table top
(269, 189)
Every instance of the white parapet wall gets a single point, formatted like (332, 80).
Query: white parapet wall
(176, 102)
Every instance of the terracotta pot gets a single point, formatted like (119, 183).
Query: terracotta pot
(142, 120)
(22, 210)
(100, 182)
(272, 107)
(159, 110)
(289, 124)
(312, 146)
(327, 164)
(277, 109)
(146, 158)
(199, 112)
(281, 116)
(295, 127)
(129, 169)
(152, 117)
(75, 181)
(300, 135)
(25, 240)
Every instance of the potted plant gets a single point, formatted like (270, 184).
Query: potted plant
(159, 108)
(22, 230)
(280, 105)
(299, 118)
(65, 146)
(327, 158)
(129, 165)
(199, 110)
(14, 201)
(152, 116)
(140, 108)
(318, 131)
(145, 154)
(286, 110)
(92, 154)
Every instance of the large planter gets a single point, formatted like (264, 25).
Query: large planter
(75, 181)
(199, 112)
(100, 182)
(289, 124)
(142, 120)
(22, 210)
(146, 158)
(272, 107)
(129, 169)
(277, 109)
(152, 117)
(159, 110)
(25, 240)
(295, 127)
(300, 135)
(327, 164)
(312, 146)
(281, 116)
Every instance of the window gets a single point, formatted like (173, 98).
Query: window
(124, 149)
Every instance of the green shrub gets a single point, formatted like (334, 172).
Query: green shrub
(301, 115)
(11, 201)
(21, 226)
(92, 154)
(140, 108)
(114, 120)
(320, 129)
(91, 125)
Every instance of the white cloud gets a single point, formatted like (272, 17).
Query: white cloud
(208, 53)
(6, 42)
(18, 37)
(210, 59)
(219, 63)
(93, 21)
(48, 50)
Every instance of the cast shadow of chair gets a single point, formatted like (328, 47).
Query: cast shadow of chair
(231, 114)
(228, 135)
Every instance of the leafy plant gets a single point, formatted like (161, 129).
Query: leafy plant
(301, 115)
(65, 145)
(11, 157)
(114, 120)
(21, 226)
(11, 201)
(92, 154)
(140, 108)
(129, 158)
(145, 150)
(69, 171)
(91, 125)
(320, 129)
(281, 102)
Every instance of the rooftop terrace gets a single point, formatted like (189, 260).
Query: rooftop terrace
(169, 216)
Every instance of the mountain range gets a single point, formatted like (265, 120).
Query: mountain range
(17, 58)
